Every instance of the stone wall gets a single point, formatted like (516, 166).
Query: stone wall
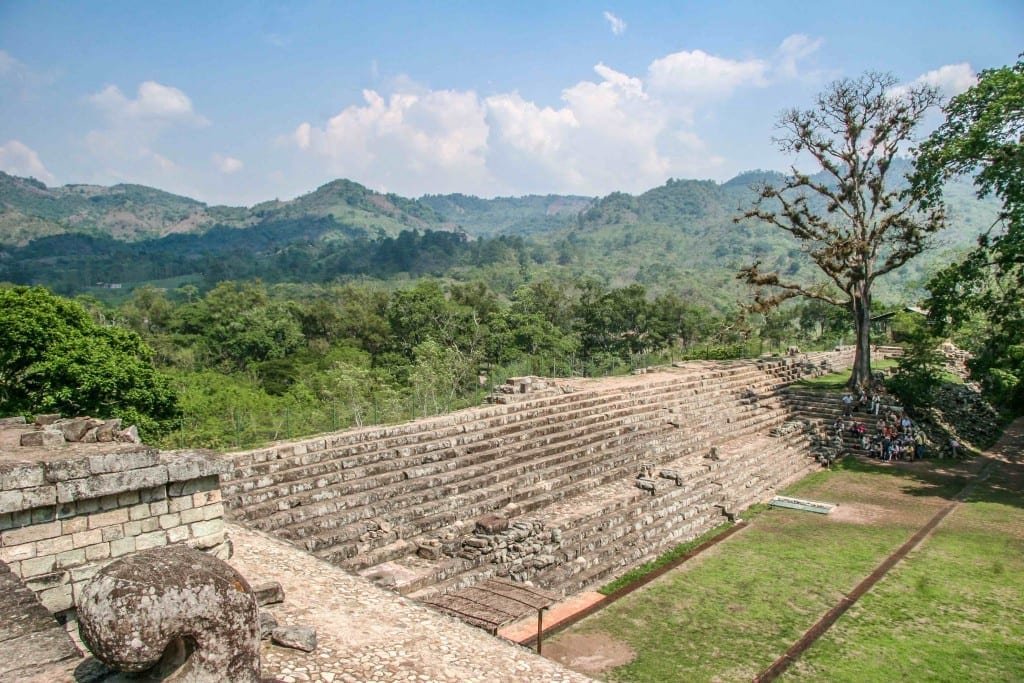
(557, 459)
(66, 512)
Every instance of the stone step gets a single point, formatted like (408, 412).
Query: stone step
(330, 479)
(627, 513)
(258, 475)
(442, 520)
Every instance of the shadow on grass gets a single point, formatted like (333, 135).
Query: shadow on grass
(947, 478)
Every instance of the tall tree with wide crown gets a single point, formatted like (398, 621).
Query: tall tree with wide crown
(855, 218)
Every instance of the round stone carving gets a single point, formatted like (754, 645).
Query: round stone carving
(177, 610)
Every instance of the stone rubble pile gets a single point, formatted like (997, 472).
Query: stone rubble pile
(961, 405)
(294, 637)
(956, 359)
(522, 388)
(519, 546)
(52, 431)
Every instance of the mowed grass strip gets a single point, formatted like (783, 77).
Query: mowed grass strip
(729, 613)
(952, 611)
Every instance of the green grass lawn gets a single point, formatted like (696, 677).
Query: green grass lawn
(729, 613)
(952, 611)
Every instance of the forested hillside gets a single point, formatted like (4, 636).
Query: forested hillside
(679, 238)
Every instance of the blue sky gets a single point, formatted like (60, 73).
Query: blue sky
(238, 102)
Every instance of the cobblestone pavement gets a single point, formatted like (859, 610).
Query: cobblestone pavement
(367, 634)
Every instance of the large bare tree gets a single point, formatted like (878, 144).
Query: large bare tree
(854, 219)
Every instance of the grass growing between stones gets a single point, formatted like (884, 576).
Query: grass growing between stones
(728, 613)
(951, 611)
(838, 380)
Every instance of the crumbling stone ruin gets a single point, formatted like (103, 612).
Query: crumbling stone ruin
(53, 431)
(561, 484)
(421, 507)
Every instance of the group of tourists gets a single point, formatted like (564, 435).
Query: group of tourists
(870, 403)
(895, 436)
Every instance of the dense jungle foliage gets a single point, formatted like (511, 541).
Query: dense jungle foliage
(246, 363)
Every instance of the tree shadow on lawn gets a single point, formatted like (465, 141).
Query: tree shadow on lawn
(946, 478)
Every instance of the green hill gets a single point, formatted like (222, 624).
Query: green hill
(679, 236)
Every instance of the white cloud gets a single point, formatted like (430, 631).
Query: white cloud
(19, 159)
(19, 79)
(154, 103)
(617, 25)
(432, 139)
(226, 165)
(615, 131)
(792, 50)
(951, 79)
(699, 73)
(128, 143)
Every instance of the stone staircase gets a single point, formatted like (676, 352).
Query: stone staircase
(400, 503)
(822, 407)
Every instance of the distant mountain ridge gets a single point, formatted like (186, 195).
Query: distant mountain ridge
(678, 236)
(30, 210)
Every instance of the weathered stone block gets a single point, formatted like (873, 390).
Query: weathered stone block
(108, 430)
(46, 419)
(18, 475)
(16, 553)
(122, 546)
(36, 532)
(11, 501)
(180, 503)
(43, 438)
(100, 551)
(153, 539)
(70, 558)
(124, 460)
(84, 538)
(52, 546)
(38, 566)
(188, 488)
(207, 528)
(57, 599)
(189, 465)
(191, 515)
(113, 483)
(295, 637)
(109, 518)
(267, 624)
(492, 524)
(268, 593)
(169, 520)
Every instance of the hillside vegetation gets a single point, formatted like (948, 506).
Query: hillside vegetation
(679, 237)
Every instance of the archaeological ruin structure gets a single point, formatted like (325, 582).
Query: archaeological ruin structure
(555, 484)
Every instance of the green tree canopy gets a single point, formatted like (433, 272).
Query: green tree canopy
(54, 358)
(984, 134)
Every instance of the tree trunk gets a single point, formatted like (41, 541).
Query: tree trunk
(860, 377)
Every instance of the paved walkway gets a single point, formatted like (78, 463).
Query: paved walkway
(368, 634)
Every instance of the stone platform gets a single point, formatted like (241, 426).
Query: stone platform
(366, 633)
